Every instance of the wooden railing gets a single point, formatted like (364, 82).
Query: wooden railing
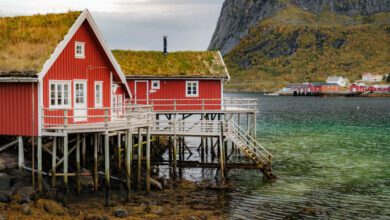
(124, 116)
(196, 104)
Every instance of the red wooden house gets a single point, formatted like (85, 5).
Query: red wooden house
(358, 87)
(379, 88)
(179, 81)
(56, 64)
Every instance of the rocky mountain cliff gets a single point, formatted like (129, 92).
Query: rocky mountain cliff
(267, 43)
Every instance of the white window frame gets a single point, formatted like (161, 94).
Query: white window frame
(158, 84)
(60, 82)
(191, 84)
(100, 83)
(82, 54)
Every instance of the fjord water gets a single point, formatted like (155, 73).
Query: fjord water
(332, 159)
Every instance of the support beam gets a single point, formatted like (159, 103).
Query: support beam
(83, 150)
(222, 155)
(54, 162)
(39, 158)
(119, 151)
(8, 145)
(139, 159)
(20, 153)
(78, 143)
(66, 155)
(174, 156)
(148, 160)
(95, 162)
(107, 167)
(129, 158)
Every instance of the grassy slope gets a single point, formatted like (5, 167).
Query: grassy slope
(26, 42)
(296, 46)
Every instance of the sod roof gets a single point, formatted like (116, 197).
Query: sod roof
(26, 42)
(184, 64)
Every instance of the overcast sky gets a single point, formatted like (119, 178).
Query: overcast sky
(137, 24)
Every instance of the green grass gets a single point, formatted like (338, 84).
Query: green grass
(366, 49)
(26, 42)
(175, 64)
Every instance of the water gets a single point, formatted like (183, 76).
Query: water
(332, 160)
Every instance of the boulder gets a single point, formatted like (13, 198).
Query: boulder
(51, 207)
(5, 181)
(5, 197)
(25, 209)
(25, 194)
(121, 213)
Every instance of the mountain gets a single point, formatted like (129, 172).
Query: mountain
(267, 43)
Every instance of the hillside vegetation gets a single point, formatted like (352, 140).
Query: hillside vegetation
(295, 45)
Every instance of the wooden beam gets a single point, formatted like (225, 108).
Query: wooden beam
(39, 158)
(129, 158)
(148, 161)
(20, 153)
(4, 147)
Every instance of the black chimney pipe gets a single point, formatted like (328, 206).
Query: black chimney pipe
(165, 45)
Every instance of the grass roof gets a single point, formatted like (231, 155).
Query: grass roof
(203, 64)
(26, 42)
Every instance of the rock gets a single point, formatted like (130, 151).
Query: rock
(95, 217)
(203, 217)
(121, 213)
(5, 181)
(156, 209)
(86, 180)
(25, 209)
(51, 207)
(191, 218)
(4, 197)
(25, 194)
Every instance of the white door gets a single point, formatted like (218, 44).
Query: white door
(80, 100)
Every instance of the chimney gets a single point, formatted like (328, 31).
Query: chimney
(165, 45)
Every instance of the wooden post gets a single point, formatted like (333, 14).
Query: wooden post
(148, 160)
(129, 158)
(20, 153)
(107, 167)
(66, 162)
(78, 185)
(119, 151)
(39, 157)
(222, 155)
(174, 155)
(95, 162)
(83, 149)
(54, 163)
(139, 158)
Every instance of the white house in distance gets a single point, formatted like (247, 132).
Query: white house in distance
(341, 81)
(369, 77)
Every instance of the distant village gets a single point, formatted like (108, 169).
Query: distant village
(370, 84)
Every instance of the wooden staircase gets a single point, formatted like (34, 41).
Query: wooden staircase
(252, 148)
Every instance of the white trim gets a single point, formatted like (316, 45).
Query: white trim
(111, 93)
(82, 45)
(85, 15)
(223, 62)
(62, 82)
(197, 89)
(158, 84)
(147, 90)
(222, 94)
(39, 106)
(18, 79)
(101, 93)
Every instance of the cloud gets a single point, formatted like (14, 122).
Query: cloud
(137, 24)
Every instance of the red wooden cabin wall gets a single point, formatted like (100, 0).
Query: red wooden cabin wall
(18, 109)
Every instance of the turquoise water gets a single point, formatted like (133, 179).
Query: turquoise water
(332, 160)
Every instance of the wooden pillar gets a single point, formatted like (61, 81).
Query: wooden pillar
(148, 160)
(129, 158)
(66, 162)
(20, 153)
(95, 161)
(78, 185)
(139, 159)
(221, 156)
(83, 150)
(119, 151)
(39, 158)
(54, 163)
(107, 167)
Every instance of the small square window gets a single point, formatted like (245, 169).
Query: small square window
(80, 50)
(192, 88)
(155, 84)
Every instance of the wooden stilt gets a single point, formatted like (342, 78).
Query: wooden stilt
(222, 155)
(119, 151)
(66, 162)
(139, 159)
(107, 167)
(148, 160)
(20, 153)
(78, 185)
(39, 158)
(54, 163)
(174, 155)
(95, 161)
(129, 158)
(83, 149)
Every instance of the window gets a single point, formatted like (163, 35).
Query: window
(98, 94)
(192, 89)
(155, 84)
(59, 94)
(80, 50)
